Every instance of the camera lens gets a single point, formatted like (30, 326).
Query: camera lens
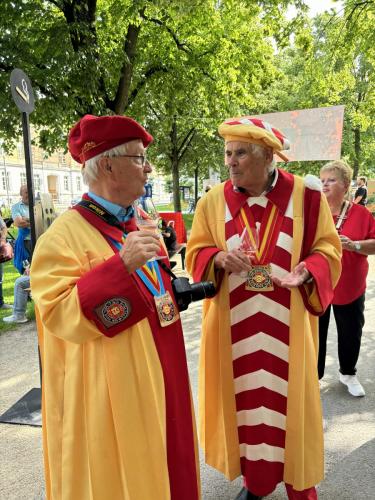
(202, 290)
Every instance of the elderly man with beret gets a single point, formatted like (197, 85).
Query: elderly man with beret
(117, 411)
(267, 240)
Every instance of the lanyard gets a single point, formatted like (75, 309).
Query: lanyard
(341, 217)
(149, 274)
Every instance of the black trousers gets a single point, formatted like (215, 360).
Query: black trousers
(350, 320)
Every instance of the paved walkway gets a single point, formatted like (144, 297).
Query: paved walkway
(349, 422)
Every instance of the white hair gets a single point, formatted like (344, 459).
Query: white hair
(90, 170)
(259, 151)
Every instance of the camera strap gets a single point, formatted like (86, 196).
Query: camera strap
(167, 270)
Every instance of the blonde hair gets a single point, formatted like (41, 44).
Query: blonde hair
(342, 169)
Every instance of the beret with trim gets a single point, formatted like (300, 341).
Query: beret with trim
(93, 135)
(253, 130)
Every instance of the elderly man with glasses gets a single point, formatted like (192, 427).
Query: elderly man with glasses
(117, 412)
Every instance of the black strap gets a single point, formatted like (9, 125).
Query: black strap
(166, 269)
(101, 212)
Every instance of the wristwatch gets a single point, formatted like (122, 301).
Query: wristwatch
(357, 246)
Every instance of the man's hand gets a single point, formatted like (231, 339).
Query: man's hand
(139, 246)
(294, 279)
(235, 261)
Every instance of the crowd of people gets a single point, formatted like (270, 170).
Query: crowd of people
(118, 419)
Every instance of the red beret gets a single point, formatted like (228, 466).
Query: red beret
(93, 135)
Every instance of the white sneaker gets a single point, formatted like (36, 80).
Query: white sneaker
(353, 384)
(13, 319)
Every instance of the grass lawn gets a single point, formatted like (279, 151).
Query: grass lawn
(10, 276)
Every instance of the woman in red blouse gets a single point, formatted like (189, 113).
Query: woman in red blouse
(356, 227)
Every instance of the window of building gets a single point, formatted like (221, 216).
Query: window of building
(3, 180)
(37, 182)
(20, 151)
(23, 178)
(66, 183)
(62, 159)
(78, 183)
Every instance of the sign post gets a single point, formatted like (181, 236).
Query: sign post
(28, 409)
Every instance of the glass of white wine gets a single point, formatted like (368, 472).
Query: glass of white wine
(147, 219)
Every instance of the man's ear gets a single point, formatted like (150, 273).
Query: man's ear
(105, 164)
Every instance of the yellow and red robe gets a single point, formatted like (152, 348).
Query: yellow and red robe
(117, 411)
(260, 412)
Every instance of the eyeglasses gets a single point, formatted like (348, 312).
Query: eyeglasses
(138, 159)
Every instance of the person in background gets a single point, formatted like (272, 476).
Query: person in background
(356, 227)
(21, 220)
(3, 241)
(21, 296)
(117, 413)
(267, 241)
(170, 238)
(360, 196)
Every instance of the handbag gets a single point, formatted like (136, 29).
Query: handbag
(6, 252)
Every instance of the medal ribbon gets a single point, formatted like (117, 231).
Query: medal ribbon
(269, 230)
(150, 275)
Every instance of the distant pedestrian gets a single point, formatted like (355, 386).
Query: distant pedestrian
(360, 196)
(3, 241)
(21, 220)
(21, 296)
(356, 227)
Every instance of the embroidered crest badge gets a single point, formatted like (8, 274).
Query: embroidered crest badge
(114, 311)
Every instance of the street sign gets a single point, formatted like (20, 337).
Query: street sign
(22, 91)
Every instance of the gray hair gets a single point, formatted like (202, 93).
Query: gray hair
(258, 151)
(90, 170)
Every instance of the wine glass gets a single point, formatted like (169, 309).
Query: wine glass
(147, 219)
(249, 244)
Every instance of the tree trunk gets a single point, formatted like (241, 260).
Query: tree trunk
(175, 167)
(357, 152)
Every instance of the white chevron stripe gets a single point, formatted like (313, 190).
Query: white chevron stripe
(261, 415)
(257, 200)
(285, 241)
(228, 215)
(278, 271)
(261, 378)
(262, 452)
(268, 127)
(289, 208)
(259, 303)
(235, 280)
(260, 341)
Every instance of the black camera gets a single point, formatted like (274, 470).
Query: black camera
(185, 292)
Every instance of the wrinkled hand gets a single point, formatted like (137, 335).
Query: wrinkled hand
(139, 246)
(234, 261)
(347, 243)
(294, 279)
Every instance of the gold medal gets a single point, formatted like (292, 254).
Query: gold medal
(258, 279)
(166, 309)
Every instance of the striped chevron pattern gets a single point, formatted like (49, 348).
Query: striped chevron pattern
(257, 122)
(260, 352)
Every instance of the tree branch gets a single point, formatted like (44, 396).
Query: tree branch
(149, 73)
(180, 45)
(186, 143)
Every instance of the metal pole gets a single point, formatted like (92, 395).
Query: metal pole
(29, 176)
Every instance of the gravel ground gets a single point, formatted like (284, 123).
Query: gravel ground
(349, 422)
